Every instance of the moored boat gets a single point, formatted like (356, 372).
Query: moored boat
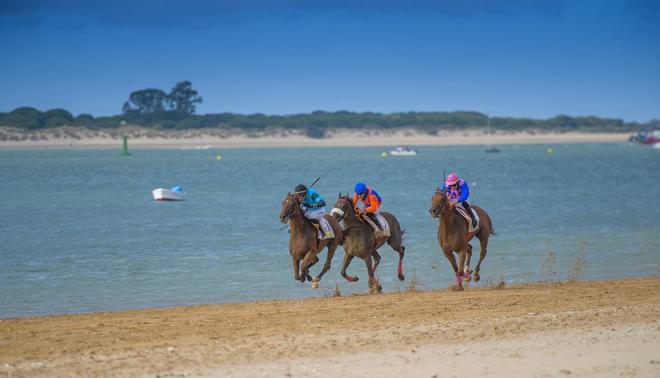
(644, 137)
(403, 151)
(174, 194)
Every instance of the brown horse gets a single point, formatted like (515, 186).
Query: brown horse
(359, 241)
(453, 236)
(303, 242)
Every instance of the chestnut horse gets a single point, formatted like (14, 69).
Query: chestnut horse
(453, 236)
(359, 241)
(303, 241)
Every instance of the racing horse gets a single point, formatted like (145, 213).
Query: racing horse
(360, 241)
(304, 245)
(453, 236)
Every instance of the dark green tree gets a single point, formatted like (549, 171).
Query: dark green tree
(146, 101)
(24, 117)
(56, 117)
(183, 98)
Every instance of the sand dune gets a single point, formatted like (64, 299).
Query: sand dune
(68, 137)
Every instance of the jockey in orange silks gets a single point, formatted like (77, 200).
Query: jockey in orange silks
(368, 201)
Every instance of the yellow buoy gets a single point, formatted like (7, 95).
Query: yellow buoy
(384, 154)
(218, 157)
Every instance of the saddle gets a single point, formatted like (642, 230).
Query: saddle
(466, 216)
(317, 225)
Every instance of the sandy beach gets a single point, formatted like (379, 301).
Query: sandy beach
(598, 328)
(74, 138)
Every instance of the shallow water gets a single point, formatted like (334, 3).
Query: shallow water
(80, 231)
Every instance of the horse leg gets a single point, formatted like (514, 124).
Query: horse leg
(328, 261)
(310, 259)
(483, 249)
(347, 262)
(376, 258)
(401, 249)
(461, 268)
(452, 260)
(296, 270)
(466, 270)
(374, 285)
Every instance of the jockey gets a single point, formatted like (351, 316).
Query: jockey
(457, 191)
(312, 205)
(367, 201)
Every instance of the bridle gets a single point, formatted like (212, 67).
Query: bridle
(289, 214)
(442, 205)
(336, 210)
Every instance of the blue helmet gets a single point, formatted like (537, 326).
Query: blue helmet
(360, 188)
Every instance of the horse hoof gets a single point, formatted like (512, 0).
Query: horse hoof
(401, 277)
(467, 279)
(456, 288)
(352, 279)
(476, 277)
(315, 284)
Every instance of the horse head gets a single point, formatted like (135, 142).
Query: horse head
(343, 207)
(289, 206)
(439, 203)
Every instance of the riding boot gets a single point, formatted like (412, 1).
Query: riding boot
(326, 230)
(470, 213)
(382, 222)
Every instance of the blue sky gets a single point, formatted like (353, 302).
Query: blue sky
(510, 58)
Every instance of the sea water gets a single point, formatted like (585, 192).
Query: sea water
(80, 231)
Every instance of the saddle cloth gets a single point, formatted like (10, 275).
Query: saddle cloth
(319, 230)
(465, 215)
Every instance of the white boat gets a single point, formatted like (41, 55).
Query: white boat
(403, 151)
(656, 146)
(174, 194)
(490, 148)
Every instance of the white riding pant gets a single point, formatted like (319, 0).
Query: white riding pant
(381, 219)
(317, 214)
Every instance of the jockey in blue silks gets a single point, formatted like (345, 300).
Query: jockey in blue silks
(457, 192)
(313, 207)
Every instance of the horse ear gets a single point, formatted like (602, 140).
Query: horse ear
(288, 194)
(339, 196)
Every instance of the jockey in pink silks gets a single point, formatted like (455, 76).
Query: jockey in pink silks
(457, 191)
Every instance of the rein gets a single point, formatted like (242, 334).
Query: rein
(293, 212)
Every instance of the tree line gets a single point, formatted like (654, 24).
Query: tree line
(176, 110)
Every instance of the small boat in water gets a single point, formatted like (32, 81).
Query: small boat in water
(646, 137)
(174, 194)
(492, 149)
(403, 151)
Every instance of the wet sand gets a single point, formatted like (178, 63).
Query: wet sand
(599, 328)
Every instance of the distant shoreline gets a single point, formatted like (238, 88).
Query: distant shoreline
(81, 138)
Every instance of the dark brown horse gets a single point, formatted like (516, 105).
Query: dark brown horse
(453, 236)
(303, 242)
(359, 241)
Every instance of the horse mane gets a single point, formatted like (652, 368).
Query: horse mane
(346, 198)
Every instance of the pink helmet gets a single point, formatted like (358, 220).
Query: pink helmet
(451, 179)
